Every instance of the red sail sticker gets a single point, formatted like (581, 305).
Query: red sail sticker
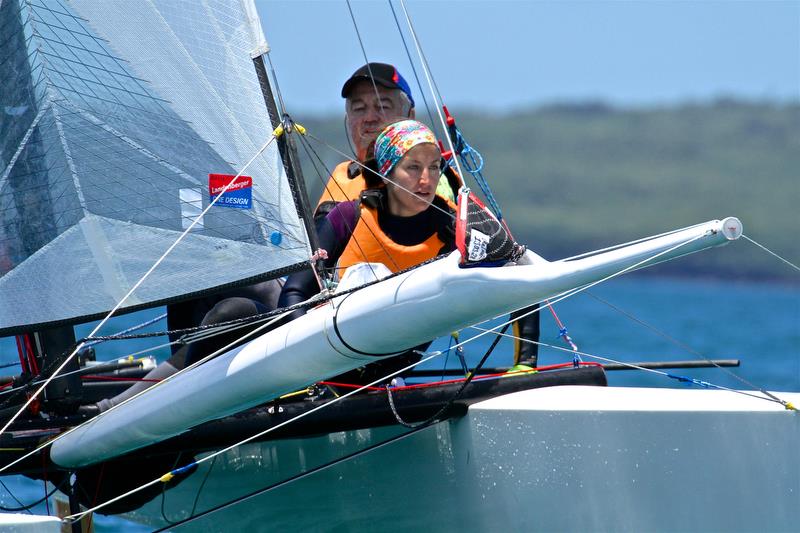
(239, 195)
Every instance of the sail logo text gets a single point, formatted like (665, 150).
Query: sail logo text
(239, 195)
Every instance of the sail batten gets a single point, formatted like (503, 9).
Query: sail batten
(114, 119)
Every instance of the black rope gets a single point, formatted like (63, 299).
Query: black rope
(457, 394)
(164, 490)
(203, 484)
(351, 348)
(10, 493)
(28, 507)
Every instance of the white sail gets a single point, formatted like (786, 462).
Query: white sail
(114, 115)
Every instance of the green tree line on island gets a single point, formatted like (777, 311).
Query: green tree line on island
(577, 177)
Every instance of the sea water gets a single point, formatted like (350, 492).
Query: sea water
(632, 319)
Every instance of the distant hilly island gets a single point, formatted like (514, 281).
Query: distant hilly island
(576, 177)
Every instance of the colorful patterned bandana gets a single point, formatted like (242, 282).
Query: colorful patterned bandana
(397, 139)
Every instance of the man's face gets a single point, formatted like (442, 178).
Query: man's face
(368, 111)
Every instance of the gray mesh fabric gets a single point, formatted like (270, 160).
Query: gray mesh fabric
(112, 116)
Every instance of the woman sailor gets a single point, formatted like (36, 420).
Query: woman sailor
(399, 222)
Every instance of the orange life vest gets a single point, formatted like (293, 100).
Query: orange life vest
(369, 244)
(345, 184)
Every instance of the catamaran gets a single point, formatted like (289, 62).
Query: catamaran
(146, 160)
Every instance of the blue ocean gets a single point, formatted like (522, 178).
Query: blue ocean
(631, 320)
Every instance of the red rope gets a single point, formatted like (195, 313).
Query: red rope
(558, 320)
(348, 385)
(561, 327)
(96, 494)
(21, 351)
(31, 355)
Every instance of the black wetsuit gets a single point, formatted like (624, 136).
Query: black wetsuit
(234, 303)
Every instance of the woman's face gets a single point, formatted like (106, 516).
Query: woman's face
(413, 180)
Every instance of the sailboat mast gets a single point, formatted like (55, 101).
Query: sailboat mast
(288, 152)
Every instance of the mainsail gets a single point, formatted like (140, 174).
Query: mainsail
(107, 144)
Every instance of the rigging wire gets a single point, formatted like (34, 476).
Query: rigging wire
(347, 133)
(278, 92)
(572, 292)
(560, 297)
(630, 243)
(703, 384)
(275, 315)
(679, 343)
(366, 61)
(225, 327)
(772, 253)
(431, 85)
(426, 357)
(411, 62)
(202, 332)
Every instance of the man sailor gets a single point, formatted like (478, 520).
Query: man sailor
(376, 94)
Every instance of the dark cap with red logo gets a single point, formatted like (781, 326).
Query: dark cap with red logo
(383, 74)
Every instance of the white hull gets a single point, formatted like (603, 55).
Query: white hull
(389, 317)
(554, 459)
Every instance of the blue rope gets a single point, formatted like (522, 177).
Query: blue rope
(183, 469)
(576, 358)
(472, 161)
(691, 381)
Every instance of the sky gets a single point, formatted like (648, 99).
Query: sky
(502, 55)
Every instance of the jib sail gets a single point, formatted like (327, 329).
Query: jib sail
(118, 122)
